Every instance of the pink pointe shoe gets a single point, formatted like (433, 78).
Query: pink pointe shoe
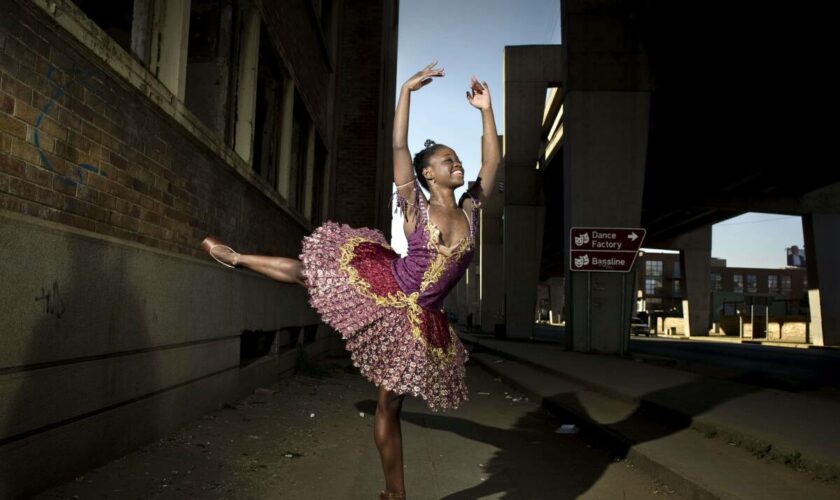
(220, 251)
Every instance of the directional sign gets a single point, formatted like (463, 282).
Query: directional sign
(605, 249)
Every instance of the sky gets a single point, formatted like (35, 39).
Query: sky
(467, 38)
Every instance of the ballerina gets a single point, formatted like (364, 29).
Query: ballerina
(388, 308)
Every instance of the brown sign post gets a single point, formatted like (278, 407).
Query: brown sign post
(604, 249)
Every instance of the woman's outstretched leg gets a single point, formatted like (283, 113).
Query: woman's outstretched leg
(388, 436)
(282, 269)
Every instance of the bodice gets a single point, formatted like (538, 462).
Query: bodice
(430, 268)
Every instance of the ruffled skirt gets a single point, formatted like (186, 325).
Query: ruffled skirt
(393, 341)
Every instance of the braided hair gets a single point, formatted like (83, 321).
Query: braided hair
(421, 160)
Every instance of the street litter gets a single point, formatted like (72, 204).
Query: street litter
(361, 414)
(311, 415)
(263, 390)
(484, 393)
(567, 429)
(499, 361)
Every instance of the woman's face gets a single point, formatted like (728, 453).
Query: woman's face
(445, 168)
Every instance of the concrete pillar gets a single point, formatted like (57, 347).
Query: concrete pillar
(491, 275)
(822, 241)
(473, 300)
(523, 231)
(696, 265)
(461, 306)
(604, 157)
(607, 83)
(528, 72)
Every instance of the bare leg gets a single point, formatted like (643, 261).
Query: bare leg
(388, 436)
(282, 269)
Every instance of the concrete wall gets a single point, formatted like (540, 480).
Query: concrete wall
(109, 344)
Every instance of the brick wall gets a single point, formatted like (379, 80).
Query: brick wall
(357, 109)
(82, 147)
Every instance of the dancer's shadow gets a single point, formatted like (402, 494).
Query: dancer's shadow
(77, 359)
(552, 471)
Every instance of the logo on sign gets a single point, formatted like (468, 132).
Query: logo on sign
(582, 261)
(582, 239)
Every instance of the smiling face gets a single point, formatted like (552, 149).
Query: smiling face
(445, 168)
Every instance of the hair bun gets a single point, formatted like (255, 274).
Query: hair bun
(428, 143)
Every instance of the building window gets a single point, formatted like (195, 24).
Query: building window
(677, 269)
(653, 302)
(268, 113)
(300, 147)
(773, 283)
(319, 187)
(717, 282)
(210, 71)
(738, 282)
(752, 283)
(113, 17)
(653, 268)
(676, 290)
(653, 286)
(786, 284)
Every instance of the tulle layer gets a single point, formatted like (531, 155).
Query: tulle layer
(391, 339)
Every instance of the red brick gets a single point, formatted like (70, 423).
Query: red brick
(38, 175)
(21, 188)
(77, 221)
(10, 125)
(16, 88)
(25, 151)
(25, 112)
(56, 163)
(7, 103)
(10, 203)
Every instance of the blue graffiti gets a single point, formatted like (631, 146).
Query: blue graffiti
(79, 76)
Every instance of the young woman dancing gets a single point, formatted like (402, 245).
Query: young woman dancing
(389, 308)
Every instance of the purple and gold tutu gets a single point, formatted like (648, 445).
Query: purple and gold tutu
(389, 308)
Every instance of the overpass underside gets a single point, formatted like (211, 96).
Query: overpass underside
(644, 126)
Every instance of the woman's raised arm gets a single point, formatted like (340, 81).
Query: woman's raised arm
(490, 154)
(403, 171)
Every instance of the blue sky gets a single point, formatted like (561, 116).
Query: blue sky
(468, 37)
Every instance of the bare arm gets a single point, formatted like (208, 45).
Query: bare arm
(402, 158)
(403, 170)
(490, 155)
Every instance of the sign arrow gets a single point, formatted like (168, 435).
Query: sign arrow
(633, 236)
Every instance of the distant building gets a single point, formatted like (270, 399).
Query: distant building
(660, 285)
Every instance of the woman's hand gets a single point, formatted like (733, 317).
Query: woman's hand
(423, 77)
(480, 97)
